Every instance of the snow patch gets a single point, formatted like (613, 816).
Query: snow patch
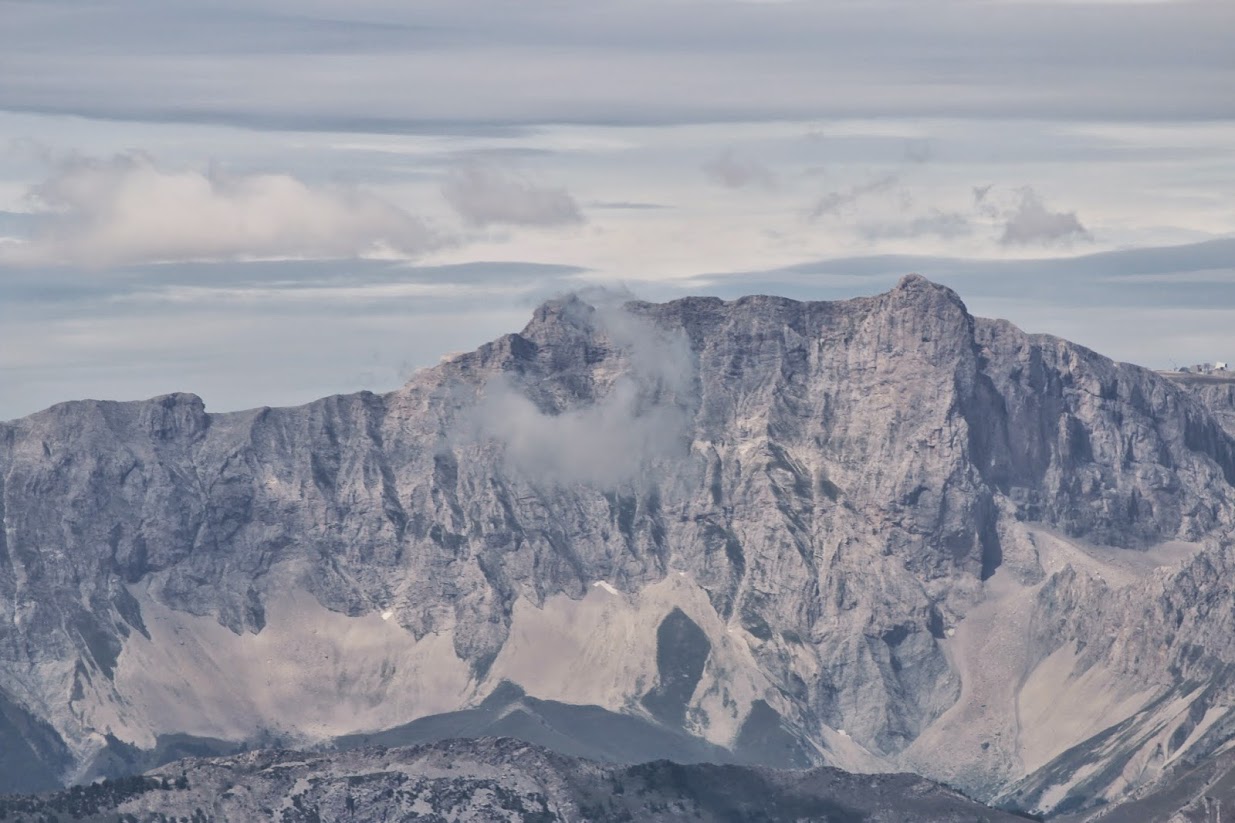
(604, 584)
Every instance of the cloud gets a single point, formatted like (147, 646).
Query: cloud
(1030, 221)
(641, 417)
(604, 445)
(732, 171)
(485, 195)
(937, 224)
(625, 205)
(127, 209)
(342, 66)
(919, 151)
(834, 201)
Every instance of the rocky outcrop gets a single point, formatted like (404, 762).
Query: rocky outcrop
(870, 533)
(1216, 391)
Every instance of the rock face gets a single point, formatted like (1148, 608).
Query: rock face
(1217, 391)
(877, 534)
(487, 780)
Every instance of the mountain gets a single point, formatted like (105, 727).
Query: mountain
(488, 779)
(1216, 390)
(878, 534)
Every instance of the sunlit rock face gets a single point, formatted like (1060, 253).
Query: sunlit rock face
(880, 534)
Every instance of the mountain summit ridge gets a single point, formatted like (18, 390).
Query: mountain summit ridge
(863, 511)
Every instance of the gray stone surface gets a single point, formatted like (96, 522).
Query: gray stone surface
(845, 481)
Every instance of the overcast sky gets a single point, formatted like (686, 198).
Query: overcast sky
(267, 202)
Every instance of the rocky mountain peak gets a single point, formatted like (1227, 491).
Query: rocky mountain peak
(841, 532)
(914, 283)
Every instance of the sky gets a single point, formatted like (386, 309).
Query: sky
(265, 202)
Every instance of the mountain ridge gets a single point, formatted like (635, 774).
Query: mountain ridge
(488, 779)
(834, 495)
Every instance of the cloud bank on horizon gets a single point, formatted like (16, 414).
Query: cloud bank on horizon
(125, 209)
(212, 196)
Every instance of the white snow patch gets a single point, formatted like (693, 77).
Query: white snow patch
(607, 586)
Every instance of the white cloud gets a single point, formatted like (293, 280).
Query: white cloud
(127, 209)
(606, 444)
(1030, 221)
(642, 417)
(484, 195)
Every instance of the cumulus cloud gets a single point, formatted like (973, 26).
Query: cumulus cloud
(732, 171)
(127, 209)
(1030, 221)
(641, 417)
(484, 195)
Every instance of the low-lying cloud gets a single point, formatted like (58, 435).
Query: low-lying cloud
(605, 445)
(128, 209)
(642, 416)
(485, 195)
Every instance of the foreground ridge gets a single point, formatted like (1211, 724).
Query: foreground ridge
(492, 779)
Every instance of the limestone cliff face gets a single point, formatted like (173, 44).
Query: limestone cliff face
(1216, 391)
(824, 492)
